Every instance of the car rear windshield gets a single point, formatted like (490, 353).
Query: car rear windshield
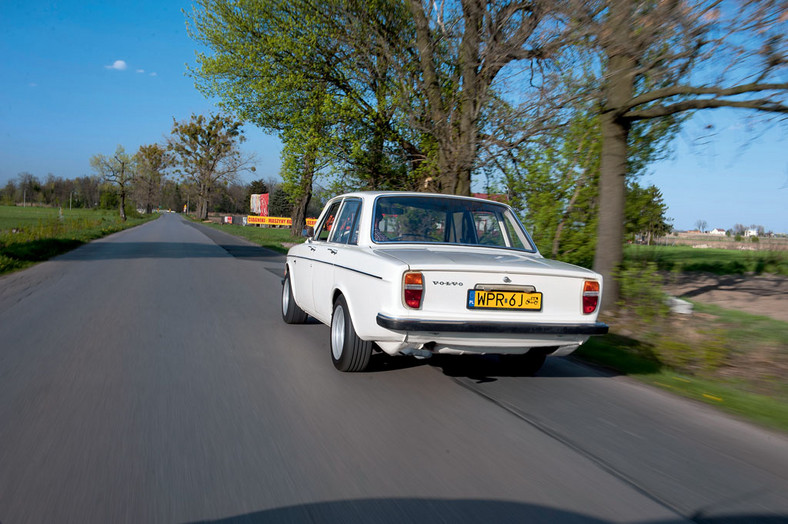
(431, 219)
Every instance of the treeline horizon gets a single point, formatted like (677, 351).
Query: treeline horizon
(91, 192)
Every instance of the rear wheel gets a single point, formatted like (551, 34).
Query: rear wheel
(291, 313)
(348, 352)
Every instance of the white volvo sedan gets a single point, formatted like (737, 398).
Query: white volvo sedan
(419, 274)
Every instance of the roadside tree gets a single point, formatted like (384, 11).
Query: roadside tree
(8, 194)
(152, 161)
(660, 59)
(118, 170)
(29, 187)
(460, 51)
(290, 68)
(404, 94)
(86, 191)
(646, 213)
(554, 179)
(206, 154)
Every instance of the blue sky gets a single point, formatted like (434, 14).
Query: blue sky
(78, 78)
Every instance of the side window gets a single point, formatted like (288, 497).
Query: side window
(346, 226)
(328, 222)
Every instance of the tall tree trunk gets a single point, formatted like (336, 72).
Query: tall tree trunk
(612, 176)
(122, 204)
(202, 201)
(463, 182)
(618, 91)
(298, 215)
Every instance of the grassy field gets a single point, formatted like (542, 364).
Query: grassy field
(717, 261)
(33, 234)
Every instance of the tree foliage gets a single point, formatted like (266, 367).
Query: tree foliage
(55, 191)
(152, 161)
(206, 154)
(287, 67)
(555, 186)
(119, 170)
(646, 214)
(407, 90)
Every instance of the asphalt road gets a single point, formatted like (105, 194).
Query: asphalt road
(148, 377)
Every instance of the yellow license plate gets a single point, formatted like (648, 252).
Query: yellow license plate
(478, 299)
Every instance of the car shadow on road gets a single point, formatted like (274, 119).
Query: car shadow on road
(485, 368)
(482, 368)
(382, 362)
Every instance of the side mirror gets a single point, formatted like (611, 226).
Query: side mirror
(308, 231)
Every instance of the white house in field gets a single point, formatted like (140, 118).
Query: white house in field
(751, 233)
(718, 232)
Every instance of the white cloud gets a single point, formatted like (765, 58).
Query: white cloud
(154, 74)
(118, 65)
(140, 70)
(32, 84)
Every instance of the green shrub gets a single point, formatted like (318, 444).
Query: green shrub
(641, 291)
(109, 200)
(674, 353)
(714, 351)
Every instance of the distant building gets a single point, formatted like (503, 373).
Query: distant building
(717, 231)
(751, 233)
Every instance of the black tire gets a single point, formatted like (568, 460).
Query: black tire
(527, 365)
(291, 313)
(348, 352)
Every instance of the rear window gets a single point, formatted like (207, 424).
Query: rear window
(446, 220)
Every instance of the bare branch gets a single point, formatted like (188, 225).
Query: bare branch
(671, 91)
(691, 105)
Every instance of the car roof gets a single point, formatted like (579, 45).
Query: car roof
(375, 194)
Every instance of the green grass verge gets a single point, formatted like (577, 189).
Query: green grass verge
(29, 235)
(717, 261)
(268, 237)
(633, 358)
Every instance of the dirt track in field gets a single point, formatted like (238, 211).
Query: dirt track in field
(765, 295)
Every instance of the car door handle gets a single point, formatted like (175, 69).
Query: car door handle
(332, 251)
(311, 248)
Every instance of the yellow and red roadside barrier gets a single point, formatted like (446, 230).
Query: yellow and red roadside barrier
(253, 220)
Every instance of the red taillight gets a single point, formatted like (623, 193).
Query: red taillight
(590, 296)
(413, 287)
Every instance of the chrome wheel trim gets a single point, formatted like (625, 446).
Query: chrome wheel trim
(338, 332)
(286, 296)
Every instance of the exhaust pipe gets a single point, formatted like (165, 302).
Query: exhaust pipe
(419, 353)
